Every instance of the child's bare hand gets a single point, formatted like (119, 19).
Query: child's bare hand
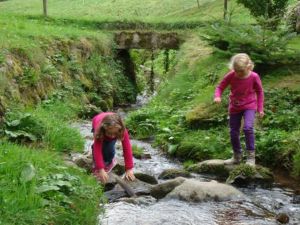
(261, 114)
(102, 176)
(129, 175)
(217, 100)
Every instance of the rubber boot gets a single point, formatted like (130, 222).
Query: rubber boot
(236, 159)
(250, 158)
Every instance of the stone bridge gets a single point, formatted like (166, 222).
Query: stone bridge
(147, 40)
(126, 40)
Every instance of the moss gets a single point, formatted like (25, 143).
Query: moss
(250, 173)
(138, 152)
(218, 170)
(205, 115)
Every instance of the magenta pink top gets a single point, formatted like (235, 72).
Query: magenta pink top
(97, 153)
(245, 93)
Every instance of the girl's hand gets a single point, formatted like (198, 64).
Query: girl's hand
(217, 100)
(102, 176)
(129, 175)
(261, 114)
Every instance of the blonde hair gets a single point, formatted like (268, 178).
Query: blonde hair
(241, 62)
(110, 120)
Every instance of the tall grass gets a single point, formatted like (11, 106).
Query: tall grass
(23, 171)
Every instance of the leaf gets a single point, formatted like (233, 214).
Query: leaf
(63, 183)
(13, 123)
(20, 134)
(46, 188)
(28, 173)
(167, 129)
(172, 149)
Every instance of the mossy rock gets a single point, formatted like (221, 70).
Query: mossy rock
(146, 178)
(214, 167)
(245, 175)
(206, 115)
(173, 173)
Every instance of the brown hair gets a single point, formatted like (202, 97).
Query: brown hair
(110, 120)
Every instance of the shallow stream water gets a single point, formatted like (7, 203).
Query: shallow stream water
(259, 208)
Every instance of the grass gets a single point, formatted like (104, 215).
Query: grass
(191, 84)
(21, 32)
(123, 10)
(22, 23)
(72, 196)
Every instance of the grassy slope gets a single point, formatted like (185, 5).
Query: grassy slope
(20, 21)
(188, 96)
(148, 10)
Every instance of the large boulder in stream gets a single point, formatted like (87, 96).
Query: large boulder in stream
(239, 175)
(192, 190)
(161, 190)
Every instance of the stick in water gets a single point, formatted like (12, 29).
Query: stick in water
(123, 184)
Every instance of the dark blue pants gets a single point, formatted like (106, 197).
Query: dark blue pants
(108, 151)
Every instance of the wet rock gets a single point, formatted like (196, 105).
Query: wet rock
(141, 200)
(146, 178)
(119, 169)
(161, 190)
(282, 218)
(139, 188)
(110, 184)
(243, 175)
(192, 190)
(83, 161)
(214, 167)
(296, 199)
(173, 173)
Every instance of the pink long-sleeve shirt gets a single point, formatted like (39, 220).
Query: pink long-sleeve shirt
(245, 93)
(97, 153)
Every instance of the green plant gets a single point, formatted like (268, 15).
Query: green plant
(296, 164)
(272, 10)
(140, 124)
(266, 48)
(137, 151)
(23, 128)
(37, 188)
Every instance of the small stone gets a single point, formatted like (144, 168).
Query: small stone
(282, 218)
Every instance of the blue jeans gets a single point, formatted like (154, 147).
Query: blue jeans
(108, 151)
(235, 125)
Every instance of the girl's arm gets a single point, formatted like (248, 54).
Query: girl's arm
(260, 94)
(127, 151)
(223, 84)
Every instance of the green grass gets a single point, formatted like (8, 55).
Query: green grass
(191, 84)
(21, 22)
(19, 31)
(73, 196)
(122, 10)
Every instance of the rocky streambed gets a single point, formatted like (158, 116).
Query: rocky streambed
(168, 194)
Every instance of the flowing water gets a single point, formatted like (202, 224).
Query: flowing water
(259, 208)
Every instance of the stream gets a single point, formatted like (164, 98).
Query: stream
(259, 208)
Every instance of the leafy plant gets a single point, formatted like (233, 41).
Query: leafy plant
(22, 128)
